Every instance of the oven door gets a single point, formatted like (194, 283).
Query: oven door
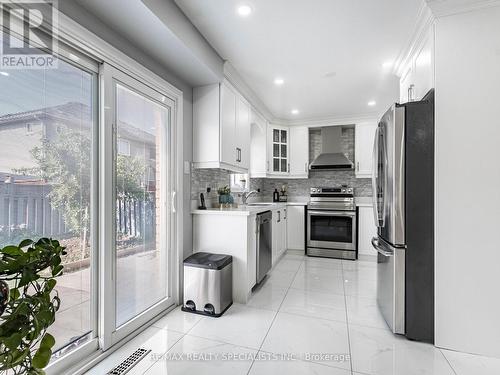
(331, 229)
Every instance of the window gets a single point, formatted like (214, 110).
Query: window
(50, 194)
(30, 127)
(123, 147)
(239, 182)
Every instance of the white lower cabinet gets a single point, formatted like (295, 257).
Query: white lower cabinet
(295, 227)
(279, 233)
(367, 230)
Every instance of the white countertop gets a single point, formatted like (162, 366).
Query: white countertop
(247, 210)
(253, 210)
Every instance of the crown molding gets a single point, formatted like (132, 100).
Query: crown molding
(327, 121)
(425, 21)
(443, 8)
(237, 81)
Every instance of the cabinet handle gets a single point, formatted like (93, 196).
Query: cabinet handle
(268, 165)
(410, 92)
(357, 166)
(279, 216)
(305, 167)
(288, 167)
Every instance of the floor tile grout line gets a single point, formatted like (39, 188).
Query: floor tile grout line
(276, 314)
(166, 351)
(347, 321)
(447, 361)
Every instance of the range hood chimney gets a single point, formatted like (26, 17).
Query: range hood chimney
(331, 157)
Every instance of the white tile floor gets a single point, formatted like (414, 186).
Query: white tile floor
(310, 316)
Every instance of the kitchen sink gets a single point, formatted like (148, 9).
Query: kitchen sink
(259, 204)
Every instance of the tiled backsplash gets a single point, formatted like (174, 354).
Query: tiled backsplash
(300, 188)
(215, 178)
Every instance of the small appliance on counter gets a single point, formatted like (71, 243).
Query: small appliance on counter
(332, 223)
(208, 284)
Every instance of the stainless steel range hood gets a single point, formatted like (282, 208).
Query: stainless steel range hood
(331, 157)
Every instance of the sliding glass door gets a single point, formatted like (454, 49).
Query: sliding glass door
(48, 139)
(137, 233)
(87, 157)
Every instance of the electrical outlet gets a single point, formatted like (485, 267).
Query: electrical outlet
(187, 167)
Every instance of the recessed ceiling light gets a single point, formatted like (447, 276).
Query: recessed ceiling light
(295, 111)
(372, 103)
(279, 81)
(4, 74)
(244, 10)
(388, 64)
(330, 74)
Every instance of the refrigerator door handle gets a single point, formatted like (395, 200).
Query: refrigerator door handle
(375, 171)
(382, 248)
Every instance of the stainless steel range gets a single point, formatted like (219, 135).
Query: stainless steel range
(331, 223)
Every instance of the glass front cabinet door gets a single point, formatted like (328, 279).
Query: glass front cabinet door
(278, 160)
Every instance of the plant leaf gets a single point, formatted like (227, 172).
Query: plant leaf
(51, 283)
(41, 357)
(12, 250)
(48, 341)
(25, 243)
(13, 341)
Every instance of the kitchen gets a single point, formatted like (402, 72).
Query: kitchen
(268, 186)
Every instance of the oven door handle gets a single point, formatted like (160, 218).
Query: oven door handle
(331, 213)
(382, 248)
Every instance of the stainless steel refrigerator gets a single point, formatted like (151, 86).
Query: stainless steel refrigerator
(403, 205)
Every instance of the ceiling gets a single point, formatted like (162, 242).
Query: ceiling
(330, 53)
(154, 42)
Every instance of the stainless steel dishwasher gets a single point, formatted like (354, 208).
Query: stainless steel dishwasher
(264, 244)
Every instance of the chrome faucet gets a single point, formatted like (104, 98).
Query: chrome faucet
(247, 195)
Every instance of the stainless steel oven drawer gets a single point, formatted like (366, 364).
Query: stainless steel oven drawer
(331, 229)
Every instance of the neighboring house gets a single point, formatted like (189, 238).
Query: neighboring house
(23, 199)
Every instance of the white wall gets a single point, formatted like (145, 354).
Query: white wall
(468, 182)
(101, 29)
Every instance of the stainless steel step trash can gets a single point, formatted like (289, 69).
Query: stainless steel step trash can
(208, 283)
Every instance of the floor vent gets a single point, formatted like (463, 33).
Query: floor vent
(130, 362)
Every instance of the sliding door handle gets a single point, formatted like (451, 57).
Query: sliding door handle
(174, 204)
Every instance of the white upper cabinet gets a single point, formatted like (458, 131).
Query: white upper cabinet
(363, 148)
(278, 150)
(418, 76)
(424, 72)
(221, 128)
(228, 149)
(258, 146)
(299, 152)
(242, 135)
(287, 151)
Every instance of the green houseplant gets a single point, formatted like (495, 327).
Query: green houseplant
(224, 195)
(28, 309)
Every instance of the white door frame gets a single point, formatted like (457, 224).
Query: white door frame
(109, 333)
